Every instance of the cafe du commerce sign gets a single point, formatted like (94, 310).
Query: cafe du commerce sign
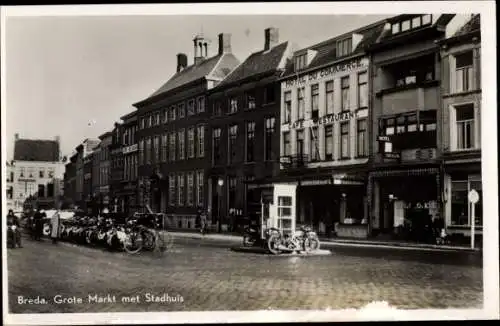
(326, 72)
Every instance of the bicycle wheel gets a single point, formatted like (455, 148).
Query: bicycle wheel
(273, 244)
(149, 239)
(133, 242)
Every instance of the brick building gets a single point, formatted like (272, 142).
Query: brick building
(116, 167)
(173, 158)
(244, 132)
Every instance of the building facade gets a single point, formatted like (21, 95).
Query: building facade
(70, 183)
(461, 117)
(244, 133)
(90, 199)
(127, 195)
(325, 111)
(116, 167)
(10, 177)
(83, 194)
(173, 158)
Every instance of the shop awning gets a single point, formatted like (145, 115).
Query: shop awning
(401, 173)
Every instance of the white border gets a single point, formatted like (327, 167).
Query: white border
(489, 161)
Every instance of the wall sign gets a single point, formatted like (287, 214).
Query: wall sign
(342, 116)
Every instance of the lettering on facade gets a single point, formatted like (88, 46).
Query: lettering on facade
(130, 149)
(335, 117)
(421, 205)
(325, 72)
(316, 182)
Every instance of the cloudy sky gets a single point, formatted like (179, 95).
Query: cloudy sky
(64, 72)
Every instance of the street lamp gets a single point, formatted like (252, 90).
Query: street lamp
(220, 182)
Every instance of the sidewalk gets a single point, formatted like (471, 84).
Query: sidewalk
(330, 243)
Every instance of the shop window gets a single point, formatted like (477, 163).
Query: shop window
(284, 206)
(315, 101)
(268, 140)
(345, 93)
(461, 207)
(463, 73)
(300, 104)
(329, 142)
(344, 139)
(286, 144)
(216, 143)
(232, 146)
(288, 107)
(465, 126)
(314, 149)
(329, 97)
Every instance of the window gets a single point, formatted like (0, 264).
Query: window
(143, 123)
(314, 149)
(180, 189)
(172, 147)
(464, 73)
(344, 139)
(344, 47)
(361, 138)
(400, 125)
(395, 28)
(41, 191)
(288, 107)
(150, 120)
(148, 150)
(314, 101)
(157, 118)
(171, 190)
(233, 105)
(201, 104)
(465, 126)
(191, 108)
(414, 71)
(286, 144)
(200, 184)
(216, 134)
(411, 123)
(41, 173)
(269, 94)
(250, 142)
(460, 205)
(164, 147)
(426, 19)
(250, 98)
(300, 104)
(363, 90)
(329, 142)
(345, 93)
(300, 142)
(416, 22)
(157, 148)
(329, 97)
(405, 25)
(172, 112)
(181, 110)
(201, 140)
(301, 61)
(389, 126)
(191, 142)
(141, 152)
(428, 120)
(190, 188)
(165, 115)
(232, 146)
(268, 140)
(217, 108)
(181, 141)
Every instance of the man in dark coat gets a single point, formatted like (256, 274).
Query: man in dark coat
(13, 229)
(38, 220)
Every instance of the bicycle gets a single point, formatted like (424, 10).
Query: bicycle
(150, 238)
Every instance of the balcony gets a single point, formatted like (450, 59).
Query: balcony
(401, 99)
(296, 161)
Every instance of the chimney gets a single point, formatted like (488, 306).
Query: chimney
(200, 48)
(16, 136)
(182, 61)
(272, 38)
(57, 139)
(224, 43)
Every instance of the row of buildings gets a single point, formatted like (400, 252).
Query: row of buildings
(369, 128)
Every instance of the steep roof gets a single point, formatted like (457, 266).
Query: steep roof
(257, 63)
(36, 150)
(473, 25)
(216, 67)
(327, 50)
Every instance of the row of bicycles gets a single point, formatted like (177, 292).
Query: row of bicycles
(142, 231)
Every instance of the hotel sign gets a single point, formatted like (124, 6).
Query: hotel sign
(325, 72)
(342, 116)
(130, 149)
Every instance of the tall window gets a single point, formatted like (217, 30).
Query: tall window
(344, 139)
(268, 140)
(233, 105)
(181, 141)
(150, 120)
(464, 73)
(300, 61)
(329, 142)
(157, 148)
(232, 146)
(191, 142)
(250, 141)
(180, 189)
(345, 93)
(41, 173)
(191, 108)
(201, 104)
(300, 104)
(363, 90)
(201, 140)
(216, 141)
(200, 185)
(143, 123)
(172, 113)
(329, 97)
(231, 189)
(269, 94)
(344, 47)
(165, 115)
(135, 167)
(315, 101)
(41, 190)
(286, 144)
(250, 98)
(164, 147)
(171, 190)
(460, 205)
(314, 149)
(157, 118)
(172, 146)
(148, 150)
(288, 107)
(465, 126)
(190, 188)
(217, 108)
(181, 110)
(361, 138)
(300, 142)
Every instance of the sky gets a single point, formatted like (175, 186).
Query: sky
(64, 73)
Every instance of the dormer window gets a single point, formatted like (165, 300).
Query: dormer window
(300, 61)
(412, 23)
(344, 47)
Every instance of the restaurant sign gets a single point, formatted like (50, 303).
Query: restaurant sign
(342, 116)
(326, 72)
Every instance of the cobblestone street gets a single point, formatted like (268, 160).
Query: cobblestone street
(208, 276)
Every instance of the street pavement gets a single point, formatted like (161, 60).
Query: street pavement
(203, 274)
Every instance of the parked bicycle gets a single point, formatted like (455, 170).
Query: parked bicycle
(145, 231)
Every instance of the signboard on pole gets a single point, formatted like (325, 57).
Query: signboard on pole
(473, 198)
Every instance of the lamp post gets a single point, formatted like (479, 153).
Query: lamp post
(220, 183)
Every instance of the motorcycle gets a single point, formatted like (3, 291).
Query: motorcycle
(304, 240)
(251, 236)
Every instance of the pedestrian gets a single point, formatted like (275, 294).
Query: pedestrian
(55, 222)
(38, 220)
(13, 228)
(203, 221)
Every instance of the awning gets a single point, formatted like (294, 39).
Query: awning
(404, 173)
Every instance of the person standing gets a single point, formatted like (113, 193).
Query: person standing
(203, 221)
(55, 223)
(13, 228)
(38, 220)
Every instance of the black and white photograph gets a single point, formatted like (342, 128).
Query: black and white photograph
(249, 162)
